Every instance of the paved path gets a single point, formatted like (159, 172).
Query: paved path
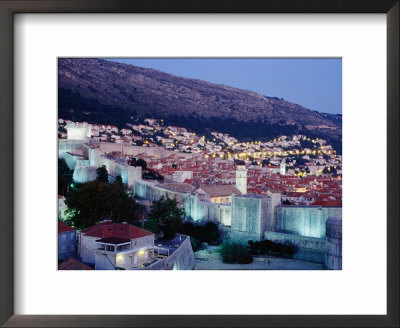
(275, 264)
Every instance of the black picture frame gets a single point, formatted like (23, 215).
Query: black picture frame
(10, 7)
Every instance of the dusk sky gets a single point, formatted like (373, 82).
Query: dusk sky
(312, 83)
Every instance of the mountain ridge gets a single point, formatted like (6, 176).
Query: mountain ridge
(137, 92)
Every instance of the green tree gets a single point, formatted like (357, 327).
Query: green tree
(211, 232)
(118, 179)
(96, 200)
(141, 162)
(165, 217)
(137, 162)
(64, 177)
(102, 174)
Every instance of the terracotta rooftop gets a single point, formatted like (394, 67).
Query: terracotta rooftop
(327, 203)
(72, 264)
(108, 229)
(62, 227)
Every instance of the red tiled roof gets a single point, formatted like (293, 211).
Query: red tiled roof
(328, 203)
(62, 227)
(117, 230)
(72, 264)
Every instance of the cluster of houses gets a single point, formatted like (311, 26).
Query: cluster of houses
(318, 158)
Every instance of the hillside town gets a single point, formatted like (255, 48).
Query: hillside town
(293, 185)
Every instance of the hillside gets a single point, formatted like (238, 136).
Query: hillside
(100, 90)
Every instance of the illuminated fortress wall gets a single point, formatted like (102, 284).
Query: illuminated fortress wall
(83, 172)
(307, 221)
(195, 209)
(129, 174)
(203, 211)
(69, 150)
(94, 155)
(333, 250)
(107, 147)
(90, 158)
(70, 159)
(181, 259)
(309, 248)
(65, 145)
(148, 190)
(251, 216)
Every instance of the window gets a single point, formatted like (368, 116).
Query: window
(110, 248)
(63, 237)
(63, 249)
(72, 236)
(72, 248)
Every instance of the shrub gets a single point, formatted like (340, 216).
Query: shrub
(195, 244)
(269, 247)
(208, 232)
(235, 253)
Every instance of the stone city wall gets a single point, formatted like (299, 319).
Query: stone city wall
(246, 213)
(84, 173)
(203, 211)
(148, 190)
(309, 248)
(333, 251)
(65, 145)
(243, 236)
(129, 174)
(195, 209)
(70, 159)
(107, 147)
(307, 221)
(251, 216)
(85, 170)
(181, 259)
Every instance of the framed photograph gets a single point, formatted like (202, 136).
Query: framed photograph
(235, 163)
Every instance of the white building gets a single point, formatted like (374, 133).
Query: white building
(182, 175)
(111, 246)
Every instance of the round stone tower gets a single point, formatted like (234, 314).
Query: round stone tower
(241, 178)
(77, 130)
(333, 248)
